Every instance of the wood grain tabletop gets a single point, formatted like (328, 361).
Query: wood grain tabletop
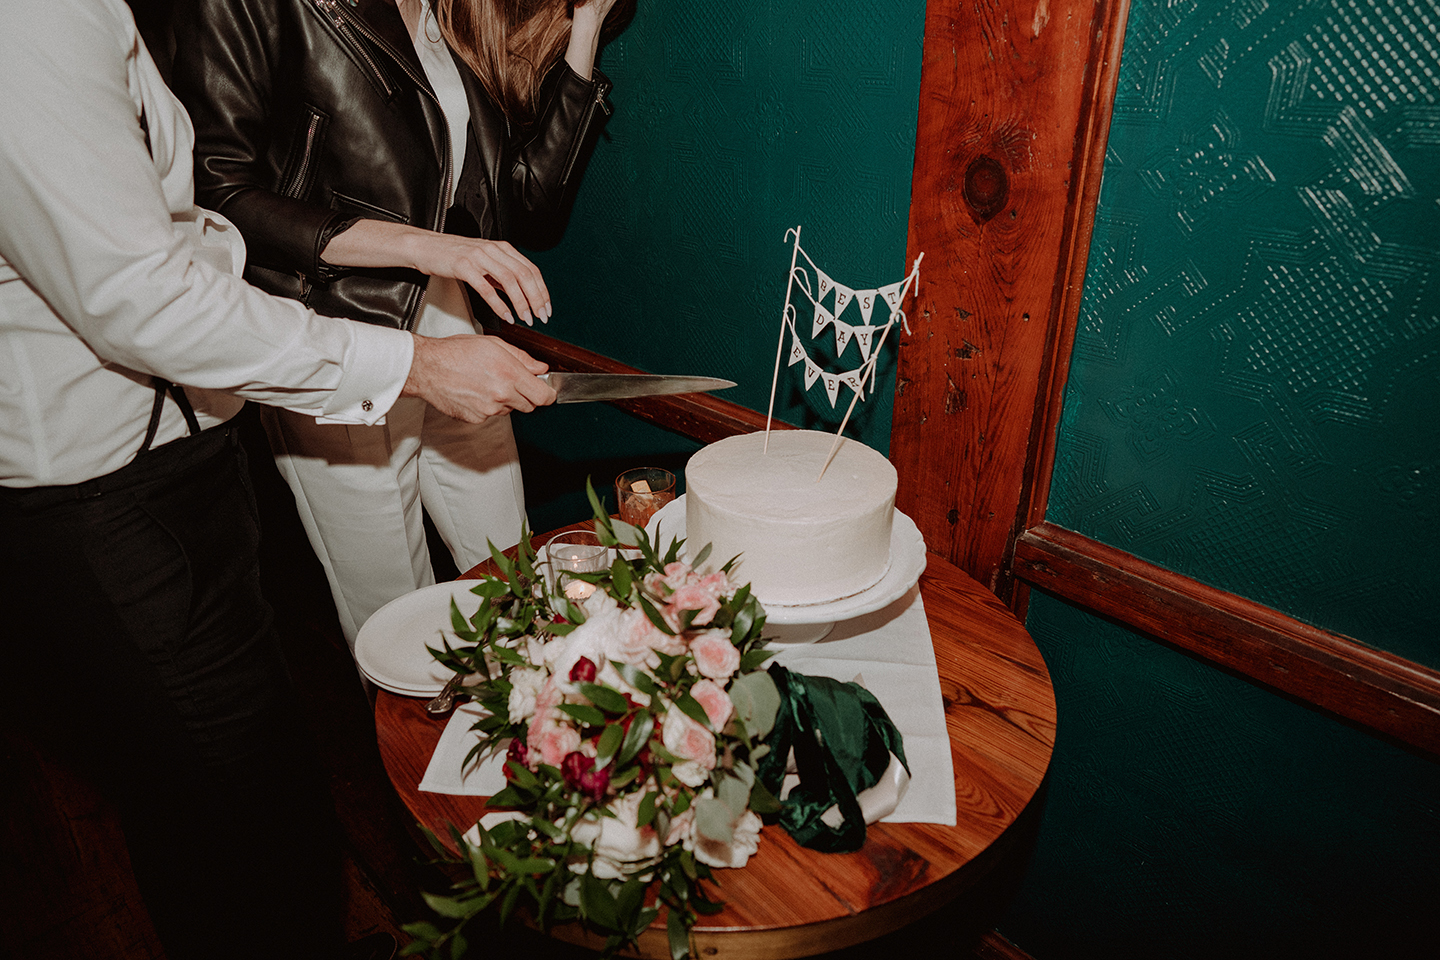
(790, 901)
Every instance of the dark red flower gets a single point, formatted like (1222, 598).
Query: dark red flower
(580, 774)
(518, 752)
(584, 671)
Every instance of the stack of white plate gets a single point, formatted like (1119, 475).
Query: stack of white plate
(391, 646)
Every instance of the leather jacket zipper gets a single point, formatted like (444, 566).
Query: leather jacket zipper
(597, 105)
(349, 26)
(296, 187)
(346, 28)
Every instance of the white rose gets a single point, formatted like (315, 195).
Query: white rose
(737, 852)
(690, 773)
(526, 684)
(621, 848)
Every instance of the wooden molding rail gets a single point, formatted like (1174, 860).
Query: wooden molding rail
(699, 416)
(1378, 690)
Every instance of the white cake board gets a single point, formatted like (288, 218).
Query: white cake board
(807, 623)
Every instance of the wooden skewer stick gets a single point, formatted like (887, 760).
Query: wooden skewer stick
(780, 344)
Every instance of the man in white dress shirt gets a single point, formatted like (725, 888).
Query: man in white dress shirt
(127, 532)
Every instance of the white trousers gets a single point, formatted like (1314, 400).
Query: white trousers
(360, 491)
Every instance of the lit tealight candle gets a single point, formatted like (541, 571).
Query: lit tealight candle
(579, 589)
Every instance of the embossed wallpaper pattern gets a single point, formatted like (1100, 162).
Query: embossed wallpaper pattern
(735, 121)
(1252, 402)
(1253, 394)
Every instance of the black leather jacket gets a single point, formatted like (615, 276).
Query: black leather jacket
(311, 113)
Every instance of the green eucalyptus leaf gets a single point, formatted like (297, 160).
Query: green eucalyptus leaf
(596, 902)
(622, 576)
(447, 906)
(626, 535)
(653, 615)
(645, 815)
(762, 801)
(586, 714)
(751, 660)
(608, 744)
(702, 556)
(636, 677)
(691, 708)
(637, 736)
(756, 702)
(679, 935)
(734, 793)
(606, 698)
(715, 820)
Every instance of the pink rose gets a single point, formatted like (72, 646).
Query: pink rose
(696, 597)
(687, 739)
(715, 700)
(715, 656)
(552, 740)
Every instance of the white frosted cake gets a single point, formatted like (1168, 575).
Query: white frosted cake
(800, 540)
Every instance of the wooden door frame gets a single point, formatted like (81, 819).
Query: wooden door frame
(975, 467)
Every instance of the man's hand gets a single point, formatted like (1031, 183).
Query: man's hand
(472, 377)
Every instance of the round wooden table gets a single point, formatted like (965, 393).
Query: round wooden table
(793, 902)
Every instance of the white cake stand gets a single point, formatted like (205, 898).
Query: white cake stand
(807, 623)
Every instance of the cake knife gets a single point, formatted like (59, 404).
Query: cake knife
(579, 387)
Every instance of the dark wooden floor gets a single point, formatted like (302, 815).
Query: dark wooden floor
(66, 892)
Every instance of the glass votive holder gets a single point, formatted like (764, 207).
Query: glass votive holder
(641, 492)
(571, 552)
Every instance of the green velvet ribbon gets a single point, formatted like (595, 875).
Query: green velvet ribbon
(842, 740)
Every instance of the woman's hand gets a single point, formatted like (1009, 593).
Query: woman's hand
(585, 35)
(485, 265)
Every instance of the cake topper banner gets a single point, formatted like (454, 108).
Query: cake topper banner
(867, 336)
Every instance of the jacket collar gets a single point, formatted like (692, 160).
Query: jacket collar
(382, 18)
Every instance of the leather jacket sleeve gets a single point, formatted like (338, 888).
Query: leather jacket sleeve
(227, 65)
(532, 187)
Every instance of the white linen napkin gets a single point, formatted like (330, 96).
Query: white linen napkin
(888, 652)
(444, 775)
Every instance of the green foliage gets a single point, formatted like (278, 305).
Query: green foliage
(535, 863)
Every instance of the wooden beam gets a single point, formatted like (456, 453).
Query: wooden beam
(1381, 691)
(1014, 99)
(699, 416)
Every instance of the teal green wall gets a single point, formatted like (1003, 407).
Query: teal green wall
(1252, 402)
(734, 121)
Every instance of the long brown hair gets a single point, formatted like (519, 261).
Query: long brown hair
(512, 44)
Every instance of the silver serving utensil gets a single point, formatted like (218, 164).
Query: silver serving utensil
(445, 699)
(580, 387)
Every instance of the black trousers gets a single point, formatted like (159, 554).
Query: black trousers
(135, 641)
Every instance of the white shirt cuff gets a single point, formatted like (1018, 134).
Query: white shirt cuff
(376, 368)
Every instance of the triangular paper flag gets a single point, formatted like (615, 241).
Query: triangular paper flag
(823, 285)
(812, 373)
(853, 380)
(862, 337)
(843, 332)
(891, 293)
(822, 317)
(832, 386)
(866, 300)
(797, 352)
(843, 296)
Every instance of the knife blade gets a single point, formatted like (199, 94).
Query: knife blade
(581, 387)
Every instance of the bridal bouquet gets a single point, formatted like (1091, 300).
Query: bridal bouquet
(632, 724)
